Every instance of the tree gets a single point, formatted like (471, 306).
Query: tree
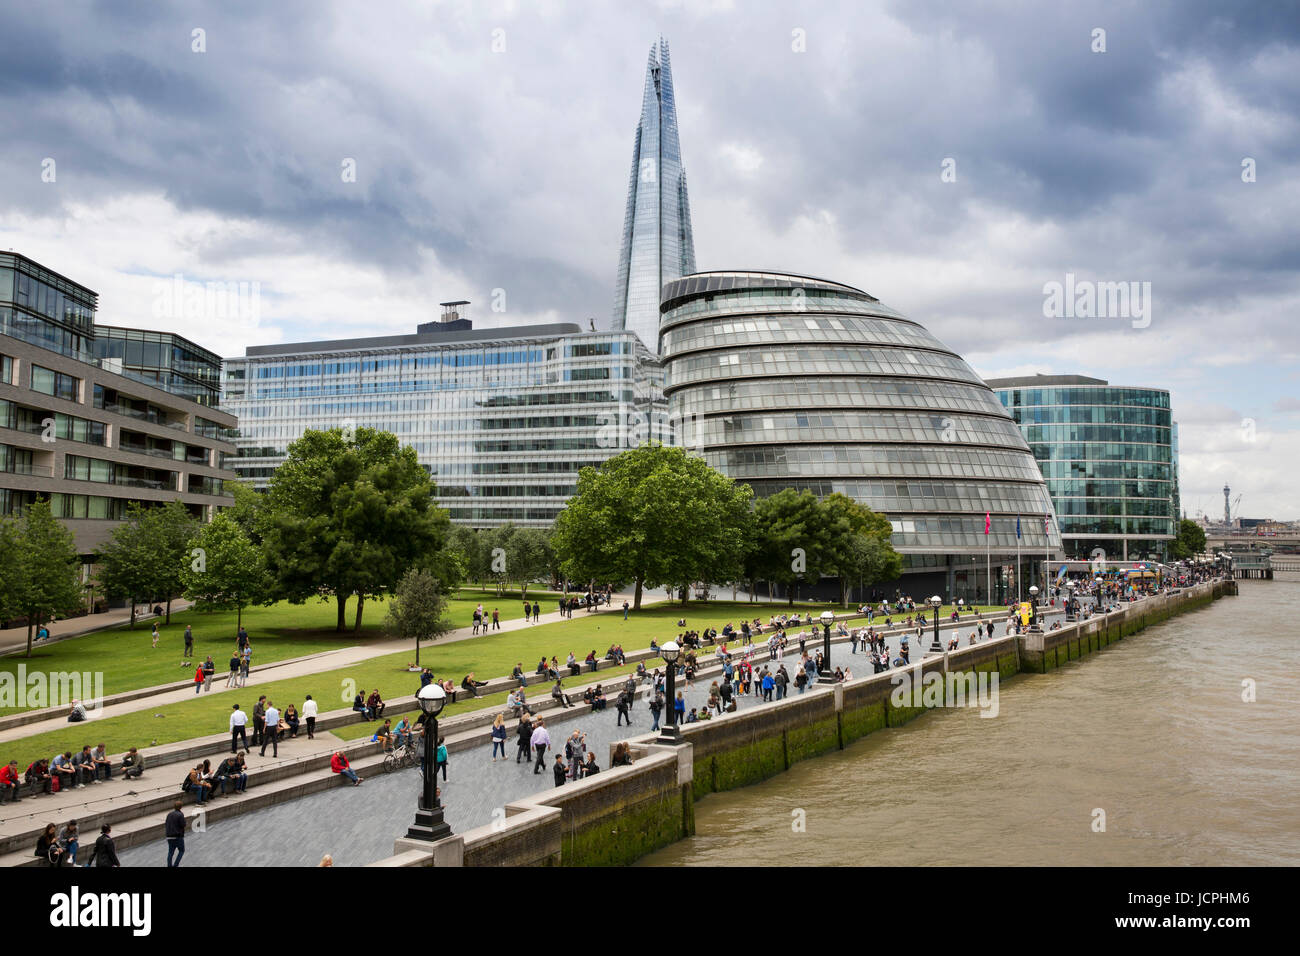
(48, 580)
(170, 529)
(349, 514)
(223, 570)
(858, 544)
(126, 565)
(1190, 541)
(791, 541)
(472, 548)
(416, 609)
(655, 516)
(144, 555)
(11, 570)
(247, 509)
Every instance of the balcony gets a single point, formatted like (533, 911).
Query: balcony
(23, 468)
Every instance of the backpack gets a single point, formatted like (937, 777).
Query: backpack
(568, 750)
(187, 785)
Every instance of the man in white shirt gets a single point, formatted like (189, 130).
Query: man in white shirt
(309, 712)
(271, 735)
(540, 741)
(238, 721)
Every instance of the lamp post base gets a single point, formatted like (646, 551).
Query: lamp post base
(670, 734)
(935, 646)
(429, 825)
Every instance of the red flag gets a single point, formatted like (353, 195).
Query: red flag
(988, 521)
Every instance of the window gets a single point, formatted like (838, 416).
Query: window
(53, 383)
(6, 370)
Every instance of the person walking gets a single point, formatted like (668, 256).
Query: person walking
(238, 723)
(496, 619)
(499, 737)
(155, 635)
(189, 643)
(245, 662)
(537, 612)
(656, 708)
(440, 759)
(622, 705)
(523, 738)
(198, 679)
(309, 714)
(232, 679)
(104, 852)
(209, 670)
(271, 730)
(175, 829)
(540, 741)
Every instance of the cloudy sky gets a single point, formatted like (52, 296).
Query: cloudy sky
(491, 145)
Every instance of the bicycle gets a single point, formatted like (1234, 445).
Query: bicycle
(405, 754)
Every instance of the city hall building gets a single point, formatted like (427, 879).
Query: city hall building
(804, 383)
(1110, 457)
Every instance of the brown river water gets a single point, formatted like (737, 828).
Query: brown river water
(1152, 730)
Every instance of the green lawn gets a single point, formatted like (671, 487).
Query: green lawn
(128, 661)
(491, 656)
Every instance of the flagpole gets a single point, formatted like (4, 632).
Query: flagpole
(1017, 559)
(988, 571)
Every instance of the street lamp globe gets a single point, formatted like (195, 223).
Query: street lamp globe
(1033, 590)
(432, 698)
(670, 652)
(936, 601)
(828, 618)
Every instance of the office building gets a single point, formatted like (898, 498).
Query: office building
(657, 243)
(93, 434)
(503, 419)
(1109, 455)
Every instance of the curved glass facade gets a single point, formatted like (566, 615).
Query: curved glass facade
(1109, 458)
(796, 382)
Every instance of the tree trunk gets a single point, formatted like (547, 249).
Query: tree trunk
(133, 614)
(342, 600)
(417, 652)
(361, 601)
(29, 642)
(169, 610)
(636, 600)
(239, 617)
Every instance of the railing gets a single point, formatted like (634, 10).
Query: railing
(22, 468)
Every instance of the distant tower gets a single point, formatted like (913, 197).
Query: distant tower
(657, 242)
(1227, 508)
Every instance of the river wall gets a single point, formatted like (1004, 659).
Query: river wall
(623, 813)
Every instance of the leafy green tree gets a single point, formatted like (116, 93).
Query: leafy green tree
(127, 565)
(48, 579)
(470, 544)
(858, 548)
(169, 530)
(792, 546)
(349, 514)
(247, 508)
(417, 608)
(223, 570)
(10, 570)
(655, 516)
(1190, 541)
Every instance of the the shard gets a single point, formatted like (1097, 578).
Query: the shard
(657, 245)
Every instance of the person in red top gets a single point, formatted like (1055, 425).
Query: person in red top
(339, 764)
(9, 781)
(198, 679)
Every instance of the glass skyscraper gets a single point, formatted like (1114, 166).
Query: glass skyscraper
(503, 419)
(796, 382)
(657, 243)
(1109, 455)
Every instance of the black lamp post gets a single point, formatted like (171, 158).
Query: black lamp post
(1071, 609)
(429, 824)
(669, 732)
(936, 647)
(827, 676)
(1033, 608)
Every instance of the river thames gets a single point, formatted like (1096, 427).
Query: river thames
(1153, 731)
